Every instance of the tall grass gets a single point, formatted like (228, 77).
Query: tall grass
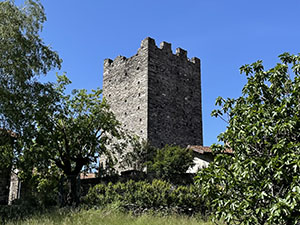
(107, 217)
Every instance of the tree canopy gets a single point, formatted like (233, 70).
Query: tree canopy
(260, 184)
(73, 133)
(23, 57)
(169, 162)
(52, 127)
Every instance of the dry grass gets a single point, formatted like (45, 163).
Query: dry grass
(107, 217)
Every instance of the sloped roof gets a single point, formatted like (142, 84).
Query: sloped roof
(206, 149)
(87, 175)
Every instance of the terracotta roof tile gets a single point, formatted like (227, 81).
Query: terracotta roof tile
(206, 149)
(87, 175)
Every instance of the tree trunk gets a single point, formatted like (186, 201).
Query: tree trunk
(73, 181)
(73, 197)
(62, 195)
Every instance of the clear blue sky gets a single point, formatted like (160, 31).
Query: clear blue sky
(223, 34)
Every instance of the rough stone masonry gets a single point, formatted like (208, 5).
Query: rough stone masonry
(156, 94)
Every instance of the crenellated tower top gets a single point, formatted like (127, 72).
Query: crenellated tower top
(156, 94)
(149, 43)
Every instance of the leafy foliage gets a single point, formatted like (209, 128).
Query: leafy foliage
(23, 57)
(7, 142)
(170, 162)
(53, 128)
(260, 184)
(43, 186)
(16, 212)
(72, 134)
(141, 153)
(143, 196)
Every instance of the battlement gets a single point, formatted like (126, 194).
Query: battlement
(149, 44)
(167, 47)
(118, 59)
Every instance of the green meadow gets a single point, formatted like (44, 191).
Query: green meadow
(107, 217)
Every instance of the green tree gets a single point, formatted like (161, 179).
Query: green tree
(170, 162)
(7, 142)
(73, 134)
(23, 57)
(140, 154)
(260, 184)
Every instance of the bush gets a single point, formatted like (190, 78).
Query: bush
(143, 196)
(41, 187)
(21, 210)
(170, 162)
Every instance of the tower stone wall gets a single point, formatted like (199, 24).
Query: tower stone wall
(156, 94)
(125, 82)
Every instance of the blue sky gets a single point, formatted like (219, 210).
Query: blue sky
(223, 34)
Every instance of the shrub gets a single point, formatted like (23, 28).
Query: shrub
(143, 196)
(170, 162)
(41, 187)
(20, 210)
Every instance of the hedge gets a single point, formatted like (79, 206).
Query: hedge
(143, 196)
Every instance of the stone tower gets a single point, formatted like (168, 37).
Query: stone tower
(156, 94)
